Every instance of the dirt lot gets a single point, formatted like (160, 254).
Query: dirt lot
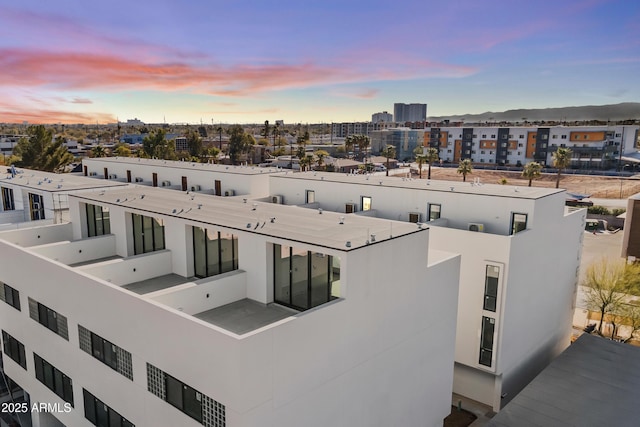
(597, 186)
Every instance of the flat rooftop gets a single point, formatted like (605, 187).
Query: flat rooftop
(268, 219)
(595, 382)
(245, 315)
(172, 164)
(460, 187)
(55, 182)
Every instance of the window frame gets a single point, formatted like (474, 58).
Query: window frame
(513, 227)
(486, 351)
(490, 302)
(430, 211)
(14, 349)
(8, 201)
(56, 381)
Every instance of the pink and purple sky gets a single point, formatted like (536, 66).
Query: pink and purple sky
(246, 61)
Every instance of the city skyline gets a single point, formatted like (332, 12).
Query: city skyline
(243, 62)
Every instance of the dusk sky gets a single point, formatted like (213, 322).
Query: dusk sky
(247, 61)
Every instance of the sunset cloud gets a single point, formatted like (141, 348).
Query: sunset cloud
(74, 71)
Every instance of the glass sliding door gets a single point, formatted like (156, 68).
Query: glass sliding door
(299, 278)
(320, 284)
(199, 252)
(214, 252)
(304, 279)
(282, 274)
(148, 234)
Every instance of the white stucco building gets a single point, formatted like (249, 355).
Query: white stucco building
(520, 252)
(153, 307)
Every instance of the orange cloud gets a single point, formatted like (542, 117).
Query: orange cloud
(69, 71)
(14, 113)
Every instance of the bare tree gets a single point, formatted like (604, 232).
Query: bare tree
(608, 283)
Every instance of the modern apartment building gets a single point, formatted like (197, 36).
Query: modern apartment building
(41, 197)
(154, 307)
(404, 139)
(382, 117)
(520, 252)
(215, 179)
(520, 248)
(593, 147)
(409, 112)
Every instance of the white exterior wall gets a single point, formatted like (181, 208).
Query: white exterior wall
(546, 224)
(540, 298)
(381, 356)
(243, 180)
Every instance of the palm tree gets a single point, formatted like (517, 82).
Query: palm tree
(421, 159)
(388, 152)
(305, 162)
(349, 143)
(99, 151)
(465, 167)
(320, 155)
(531, 171)
(561, 161)
(432, 155)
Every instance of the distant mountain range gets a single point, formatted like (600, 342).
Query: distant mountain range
(613, 112)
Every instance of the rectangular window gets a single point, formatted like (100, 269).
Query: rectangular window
(10, 295)
(518, 222)
(7, 199)
(48, 318)
(54, 379)
(214, 252)
(433, 211)
(310, 196)
(99, 414)
(36, 206)
(148, 234)
(98, 223)
(491, 287)
(304, 279)
(486, 341)
(105, 351)
(14, 349)
(563, 137)
(183, 397)
(365, 202)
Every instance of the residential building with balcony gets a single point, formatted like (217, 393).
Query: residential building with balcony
(592, 147)
(182, 308)
(520, 248)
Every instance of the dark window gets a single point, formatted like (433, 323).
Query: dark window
(214, 252)
(304, 279)
(11, 296)
(433, 211)
(54, 379)
(7, 199)
(14, 349)
(148, 234)
(48, 317)
(100, 414)
(518, 222)
(104, 351)
(36, 206)
(491, 287)
(183, 397)
(98, 223)
(486, 341)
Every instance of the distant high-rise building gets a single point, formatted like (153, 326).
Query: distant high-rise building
(382, 117)
(409, 112)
